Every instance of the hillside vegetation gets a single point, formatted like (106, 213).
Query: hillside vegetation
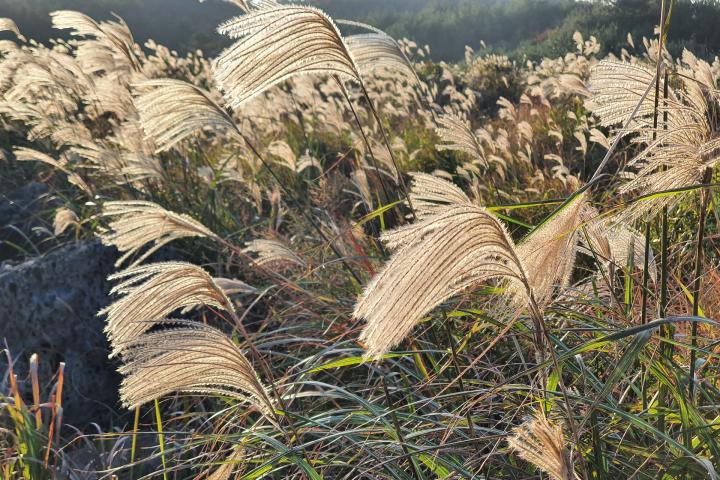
(383, 266)
(518, 28)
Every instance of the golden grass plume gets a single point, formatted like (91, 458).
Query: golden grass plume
(430, 194)
(275, 44)
(436, 258)
(134, 224)
(152, 292)
(114, 35)
(273, 252)
(64, 219)
(189, 358)
(171, 110)
(8, 25)
(543, 444)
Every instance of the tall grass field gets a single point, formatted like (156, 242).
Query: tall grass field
(377, 266)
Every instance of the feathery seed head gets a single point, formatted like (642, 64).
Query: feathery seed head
(543, 444)
(64, 219)
(431, 194)
(548, 252)
(273, 252)
(171, 110)
(152, 292)
(275, 44)
(436, 258)
(191, 358)
(8, 25)
(137, 223)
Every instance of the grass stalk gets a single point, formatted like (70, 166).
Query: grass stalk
(133, 445)
(381, 127)
(643, 308)
(376, 166)
(456, 365)
(697, 281)
(666, 331)
(398, 430)
(161, 438)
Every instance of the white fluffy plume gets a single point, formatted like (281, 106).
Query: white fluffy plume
(278, 43)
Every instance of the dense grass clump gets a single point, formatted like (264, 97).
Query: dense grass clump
(390, 268)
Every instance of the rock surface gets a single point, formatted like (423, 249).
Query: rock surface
(48, 306)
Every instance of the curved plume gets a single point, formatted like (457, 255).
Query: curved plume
(28, 155)
(436, 259)
(114, 35)
(616, 89)
(233, 286)
(548, 252)
(543, 444)
(64, 219)
(276, 44)
(273, 252)
(684, 146)
(193, 358)
(171, 110)
(430, 194)
(152, 292)
(457, 136)
(8, 25)
(377, 50)
(137, 223)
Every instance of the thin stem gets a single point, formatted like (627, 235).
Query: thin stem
(133, 447)
(389, 148)
(161, 438)
(461, 384)
(302, 210)
(364, 137)
(666, 331)
(398, 432)
(643, 305)
(704, 200)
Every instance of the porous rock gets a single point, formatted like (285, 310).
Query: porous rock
(48, 306)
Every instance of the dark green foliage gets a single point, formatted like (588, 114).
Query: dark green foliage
(519, 28)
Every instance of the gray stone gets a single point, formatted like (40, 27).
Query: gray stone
(48, 306)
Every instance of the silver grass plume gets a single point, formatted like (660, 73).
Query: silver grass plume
(456, 135)
(272, 252)
(548, 252)
(683, 154)
(232, 286)
(137, 223)
(677, 154)
(276, 44)
(543, 444)
(152, 292)
(616, 89)
(64, 219)
(8, 25)
(115, 35)
(171, 110)
(430, 194)
(376, 50)
(192, 358)
(435, 259)
(614, 242)
(28, 155)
